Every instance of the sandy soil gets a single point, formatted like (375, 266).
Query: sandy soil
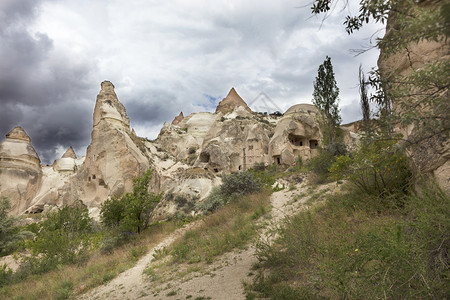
(223, 279)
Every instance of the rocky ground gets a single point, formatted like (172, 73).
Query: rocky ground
(222, 279)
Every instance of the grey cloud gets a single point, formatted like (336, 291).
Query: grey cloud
(40, 88)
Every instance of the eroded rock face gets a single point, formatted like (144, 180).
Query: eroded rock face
(21, 172)
(114, 158)
(297, 134)
(231, 102)
(178, 119)
(67, 162)
(430, 157)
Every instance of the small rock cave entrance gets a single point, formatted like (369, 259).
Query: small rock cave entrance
(277, 159)
(204, 157)
(296, 140)
(313, 144)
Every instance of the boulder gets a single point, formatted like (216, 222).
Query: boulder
(20, 170)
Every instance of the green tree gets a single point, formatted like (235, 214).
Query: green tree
(326, 99)
(132, 212)
(420, 98)
(64, 237)
(9, 233)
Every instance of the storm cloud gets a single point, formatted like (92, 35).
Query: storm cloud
(163, 58)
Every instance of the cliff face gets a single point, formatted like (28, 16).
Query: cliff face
(21, 171)
(430, 156)
(188, 156)
(113, 159)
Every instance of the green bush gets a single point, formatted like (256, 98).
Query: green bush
(5, 275)
(377, 168)
(64, 237)
(214, 200)
(241, 183)
(131, 213)
(10, 235)
(320, 165)
(372, 251)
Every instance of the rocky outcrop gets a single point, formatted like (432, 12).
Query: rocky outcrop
(113, 159)
(297, 134)
(430, 156)
(178, 119)
(231, 102)
(20, 170)
(188, 156)
(67, 162)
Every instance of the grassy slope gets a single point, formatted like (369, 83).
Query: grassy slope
(355, 247)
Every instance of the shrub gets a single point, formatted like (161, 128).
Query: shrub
(241, 183)
(5, 275)
(10, 236)
(131, 213)
(214, 200)
(64, 237)
(320, 165)
(377, 168)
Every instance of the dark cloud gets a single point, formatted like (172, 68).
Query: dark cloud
(162, 57)
(41, 89)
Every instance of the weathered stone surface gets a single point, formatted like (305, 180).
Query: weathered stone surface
(430, 157)
(231, 102)
(178, 119)
(297, 134)
(114, 158)
(20, 168)
(70, 153)
(67, 162)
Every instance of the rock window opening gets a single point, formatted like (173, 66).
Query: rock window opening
(93, 176)
(216, 170)
(204, 157)
(277, 159)
(101, 182)
(295, 140)
(313, 144)
(250, 147)
(239, 168)
(89, 179)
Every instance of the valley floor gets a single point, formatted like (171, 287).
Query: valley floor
(224, 278)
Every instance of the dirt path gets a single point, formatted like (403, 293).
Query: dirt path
(224, 278)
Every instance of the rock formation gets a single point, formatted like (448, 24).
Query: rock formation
(431, 156)
(67, 162)
(297, 134)
(178, 119)
(21, 172)
(231, 102)
(187, 157)
(113, 159)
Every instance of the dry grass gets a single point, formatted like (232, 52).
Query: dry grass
(73, 280)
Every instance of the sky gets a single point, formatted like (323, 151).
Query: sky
(165, 57)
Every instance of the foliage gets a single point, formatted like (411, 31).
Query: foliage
(321, 164)
(326, 99)
(420, 98)
(372, 252)
(234, 186)
(131, 212)
(64, 237)
(377, 168)
(240, 183)
(232, 226)
(214, 200)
